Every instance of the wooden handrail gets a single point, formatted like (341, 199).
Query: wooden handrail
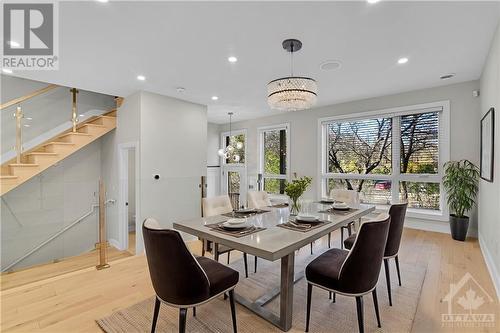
(28, 96)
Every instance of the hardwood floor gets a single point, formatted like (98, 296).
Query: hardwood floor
(71, 302)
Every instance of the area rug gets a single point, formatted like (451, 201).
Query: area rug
(326, 316)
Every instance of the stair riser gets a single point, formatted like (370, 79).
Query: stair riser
(62, 150)
(7, 186)
(43, 159)
(92, 130)
(108, 122)
(76, 139)
(23, 172)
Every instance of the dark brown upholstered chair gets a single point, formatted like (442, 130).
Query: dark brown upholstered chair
(181, 280)
(397, 213)
(352, 273)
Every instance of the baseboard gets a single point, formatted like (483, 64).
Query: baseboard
(490, 264)
(115, 243)
(435, 226)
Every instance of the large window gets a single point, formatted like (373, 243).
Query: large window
(388, 156)
(274, 157)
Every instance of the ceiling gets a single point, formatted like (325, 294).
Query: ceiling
(104, 46)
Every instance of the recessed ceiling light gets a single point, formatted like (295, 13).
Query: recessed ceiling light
(13, 43)
(103, 1)
(141, 77)
(7, 70)
(232, 59)
(372, 1)
(180, 90)
(26, 125)
(330, 65)
(81, 115)
(403, 60)
(447, 76)
(28, 118)
(214, 98)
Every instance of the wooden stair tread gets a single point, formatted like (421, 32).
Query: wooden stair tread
(75, 133)
(23, 165)
(93, 125)
(108, 117)
(8, 177)
(59, 143)
(41, 153)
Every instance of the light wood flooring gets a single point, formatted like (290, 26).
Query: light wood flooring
(71, 302)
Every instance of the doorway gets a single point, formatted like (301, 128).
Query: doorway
(128, 205)
(234, 185)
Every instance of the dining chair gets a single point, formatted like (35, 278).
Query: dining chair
(258, 199)
(351, 273)
(350, 197)
(397, 213)
(217, 206)
(181, 280)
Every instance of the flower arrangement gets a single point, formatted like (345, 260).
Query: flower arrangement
(295, 189)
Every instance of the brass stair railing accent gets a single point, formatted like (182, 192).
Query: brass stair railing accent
(19, 117)
(74, 116)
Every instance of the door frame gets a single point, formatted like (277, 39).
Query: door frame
(123, 156)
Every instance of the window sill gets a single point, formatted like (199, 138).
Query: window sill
(424, 214)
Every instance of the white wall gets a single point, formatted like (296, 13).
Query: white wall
(304, 127)
(213, 143)
(171, 135)
(489, 193)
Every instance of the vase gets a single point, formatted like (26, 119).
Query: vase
(295, 208)
(459, 226)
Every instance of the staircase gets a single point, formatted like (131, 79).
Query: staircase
(36, 160)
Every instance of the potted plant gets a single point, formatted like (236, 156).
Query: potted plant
(461, 181)
(295, 189)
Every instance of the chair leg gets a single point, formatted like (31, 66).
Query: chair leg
(202, 247)
(182, 320)
(311, 248)
(334, 298)
(228, 256)
(194, 311)
(329, 295)
(397, 268)
(359, 307)
(349, 228)
(155, 314)
(388, 279)
(245, 262)
(233, 309)
(308, 311)
(255, 265)
(216, 252)
(341, 237)
(375, 304)
(329, 239)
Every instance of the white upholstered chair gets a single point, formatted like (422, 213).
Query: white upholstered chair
(258, 199)
(350, 197)
(217, 206)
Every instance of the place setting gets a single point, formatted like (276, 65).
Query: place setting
(338, 208)
(245, 212)
(236, 227)
(303, 222)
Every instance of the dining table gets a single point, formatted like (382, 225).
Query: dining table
(272, 241)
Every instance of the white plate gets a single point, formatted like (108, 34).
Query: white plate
(236, 221)
(306, 218)
(246, 210)
(328, 200)
(340, 205)
(228, 225)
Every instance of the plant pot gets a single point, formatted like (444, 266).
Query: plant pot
(459, 226)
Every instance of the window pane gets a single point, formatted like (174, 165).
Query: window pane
(361, 147)
(371, 191)
(420, 143)
(275, 186)
(236, 140)
(233, 182)
(420, 195)
(275, 152)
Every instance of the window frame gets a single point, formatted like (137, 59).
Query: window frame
(261, 131)
(443, 109)
(223, 136)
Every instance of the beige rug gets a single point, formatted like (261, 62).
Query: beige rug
(341, 316)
